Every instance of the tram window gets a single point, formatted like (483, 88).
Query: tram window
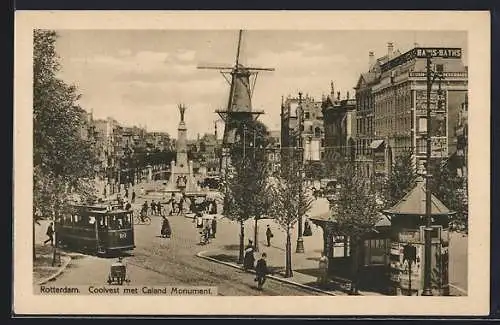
(113, 223)
(127, 220)
(102, 222)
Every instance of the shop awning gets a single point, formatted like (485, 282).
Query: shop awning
(376, 144)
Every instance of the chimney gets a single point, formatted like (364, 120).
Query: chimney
(390, 49)
(371, 59)
(332, 90)
(347, 96)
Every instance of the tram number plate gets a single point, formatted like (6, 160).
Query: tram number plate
(123, 235)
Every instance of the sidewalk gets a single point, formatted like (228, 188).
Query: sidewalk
(225, 249)
(43, 271)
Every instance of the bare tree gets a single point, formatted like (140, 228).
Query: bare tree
(290, 201)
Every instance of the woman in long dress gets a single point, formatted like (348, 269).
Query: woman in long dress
(166, 230)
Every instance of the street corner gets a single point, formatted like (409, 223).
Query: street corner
(221, 257)
(44, 272)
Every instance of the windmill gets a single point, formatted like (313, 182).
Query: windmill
(242, 85)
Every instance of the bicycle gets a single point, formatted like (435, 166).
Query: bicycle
(144, 220)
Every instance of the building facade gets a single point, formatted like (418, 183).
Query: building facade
(339, 116)
(392, 106)
(302, 127)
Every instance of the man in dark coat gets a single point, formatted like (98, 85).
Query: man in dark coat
(261, 270)
(214, 227)
(269, 235)
(50, 234)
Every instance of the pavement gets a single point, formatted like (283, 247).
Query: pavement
(160, 261)
(181, 260)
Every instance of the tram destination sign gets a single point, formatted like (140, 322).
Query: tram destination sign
(422, 52)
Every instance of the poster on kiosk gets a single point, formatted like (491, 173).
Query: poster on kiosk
(408, 257)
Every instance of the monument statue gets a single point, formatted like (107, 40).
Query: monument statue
(181, 176)
(182, 110)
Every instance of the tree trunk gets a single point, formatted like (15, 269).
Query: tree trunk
(242, 243)
(256, 235)
(33, 243)
(355, 247)
(54, 255)
(288, 260)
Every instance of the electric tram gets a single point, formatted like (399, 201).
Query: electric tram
(101, 229)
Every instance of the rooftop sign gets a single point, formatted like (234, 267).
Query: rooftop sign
(422, 52)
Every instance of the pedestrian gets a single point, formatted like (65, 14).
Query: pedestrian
(199, 220)
(166, 230)
(133, 196)
(126, 192)
(323, 270)
(307, 229)
(214, 227)
(206, 233)
(269, 235)
(249, 259)
(50, 234)
(172, 204)
(181, 204)
(261, 270)
(159, 208)
(153, 207)
(128, 206)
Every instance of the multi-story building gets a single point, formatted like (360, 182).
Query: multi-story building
(209, 147)
(339, 117)
(273, 151)
(158, 141)
(395, 90)
(459, 145)
(302, 127)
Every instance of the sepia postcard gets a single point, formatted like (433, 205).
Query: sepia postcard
(251, 163)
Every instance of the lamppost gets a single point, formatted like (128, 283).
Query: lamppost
(431, 76)
(300, 240)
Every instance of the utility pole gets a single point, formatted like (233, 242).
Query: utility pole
(244, 140)
(427, 290)
(300, 240)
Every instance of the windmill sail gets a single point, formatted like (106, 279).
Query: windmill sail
(239, 105)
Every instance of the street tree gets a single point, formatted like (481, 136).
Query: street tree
(252, 140)
(63, 158)
(400, 180)
(451, 189)
(290, 200)
(357, 212)
(245, 193)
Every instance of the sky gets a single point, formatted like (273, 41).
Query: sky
(139, 77)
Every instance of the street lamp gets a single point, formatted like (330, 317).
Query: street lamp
(300, 240)
(431, 76)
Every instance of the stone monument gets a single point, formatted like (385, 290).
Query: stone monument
(181, 177)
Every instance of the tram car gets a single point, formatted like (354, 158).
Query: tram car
(100, 229)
